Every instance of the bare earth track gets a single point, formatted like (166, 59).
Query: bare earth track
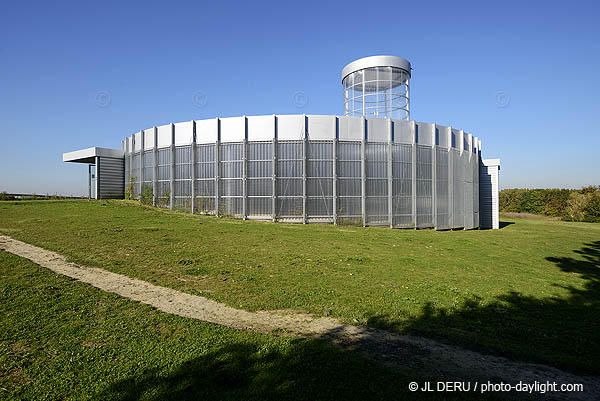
(422, 356)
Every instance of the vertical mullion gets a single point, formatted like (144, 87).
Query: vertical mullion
(217, 176)
(334, 171)
(273, 171)
(155, 169)
(414, 173)
(389, 172)
(363, 173)
(193, 167)
(304, 168)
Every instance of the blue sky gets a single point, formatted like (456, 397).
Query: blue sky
(522, 76)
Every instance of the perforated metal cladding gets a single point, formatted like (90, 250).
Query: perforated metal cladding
(135, 174)
(377, 183)
(441, 172)
(295, 180)
(205, 178)
(259, 170)
(468, 187)
(402, 185)
(458, 219)
(148, 166)
(231, 189)
(319, 181)
(349, 180)
(424, 186)
(290, 159)
(183, 177)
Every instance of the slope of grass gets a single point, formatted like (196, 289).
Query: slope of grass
(530, 290)
(61, 339)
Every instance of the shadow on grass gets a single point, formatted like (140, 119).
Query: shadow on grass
(310, 369)
(503, 224)
(558, 331)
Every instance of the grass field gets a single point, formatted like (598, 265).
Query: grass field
(529, 291)
(62, 339)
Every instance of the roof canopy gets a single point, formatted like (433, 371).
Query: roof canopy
(89, 155)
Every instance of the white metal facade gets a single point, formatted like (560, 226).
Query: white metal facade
(311, 168)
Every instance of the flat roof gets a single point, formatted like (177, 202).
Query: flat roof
(376, 61)
(89, 155)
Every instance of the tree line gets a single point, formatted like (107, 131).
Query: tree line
(568, 204)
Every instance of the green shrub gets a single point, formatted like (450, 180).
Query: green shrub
(147, 195)
(570, 204)
(130, 189)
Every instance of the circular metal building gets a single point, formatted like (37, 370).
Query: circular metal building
(371, 167)
(377, 86)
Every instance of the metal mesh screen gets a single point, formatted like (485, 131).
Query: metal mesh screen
(319, 181)
(441, 174)
(349, 182)
(183, 177)
(259, 171)
(205, 178)
(377, 184)
(231, 184)
(458, 190)
(164, 176)
(294, 179)
(424, 186)
(290, 158)
(402, 185)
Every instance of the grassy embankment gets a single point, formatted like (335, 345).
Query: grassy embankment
(530, 290)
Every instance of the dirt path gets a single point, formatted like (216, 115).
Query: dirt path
(425, 357)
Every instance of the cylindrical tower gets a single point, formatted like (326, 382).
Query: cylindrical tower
(377, 86)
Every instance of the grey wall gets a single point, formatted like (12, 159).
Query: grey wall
(488, 194)
(110, 178)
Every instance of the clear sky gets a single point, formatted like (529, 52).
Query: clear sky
(522, 76)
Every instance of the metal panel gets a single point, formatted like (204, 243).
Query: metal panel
(261, 128)
(164, 136)
(184, 133)
(424, 187)
(402, 185)
(350, 128)
(110, 175)
(233, 129)
(321, 127)
(442, 189)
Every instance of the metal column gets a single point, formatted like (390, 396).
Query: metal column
(363, 174)
(193, 167)
(389, 172)
(450, 181)
(217, 178)
(304, 167)
(414, 173)
(172, 178)
(245, 171)
(434, 177)
(155, 169)
(274, 171)
(141, 187)
(334, 166)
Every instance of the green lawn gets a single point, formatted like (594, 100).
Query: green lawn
(64, 340)
(530, 290)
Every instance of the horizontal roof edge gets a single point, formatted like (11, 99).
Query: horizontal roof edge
(87, 155)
